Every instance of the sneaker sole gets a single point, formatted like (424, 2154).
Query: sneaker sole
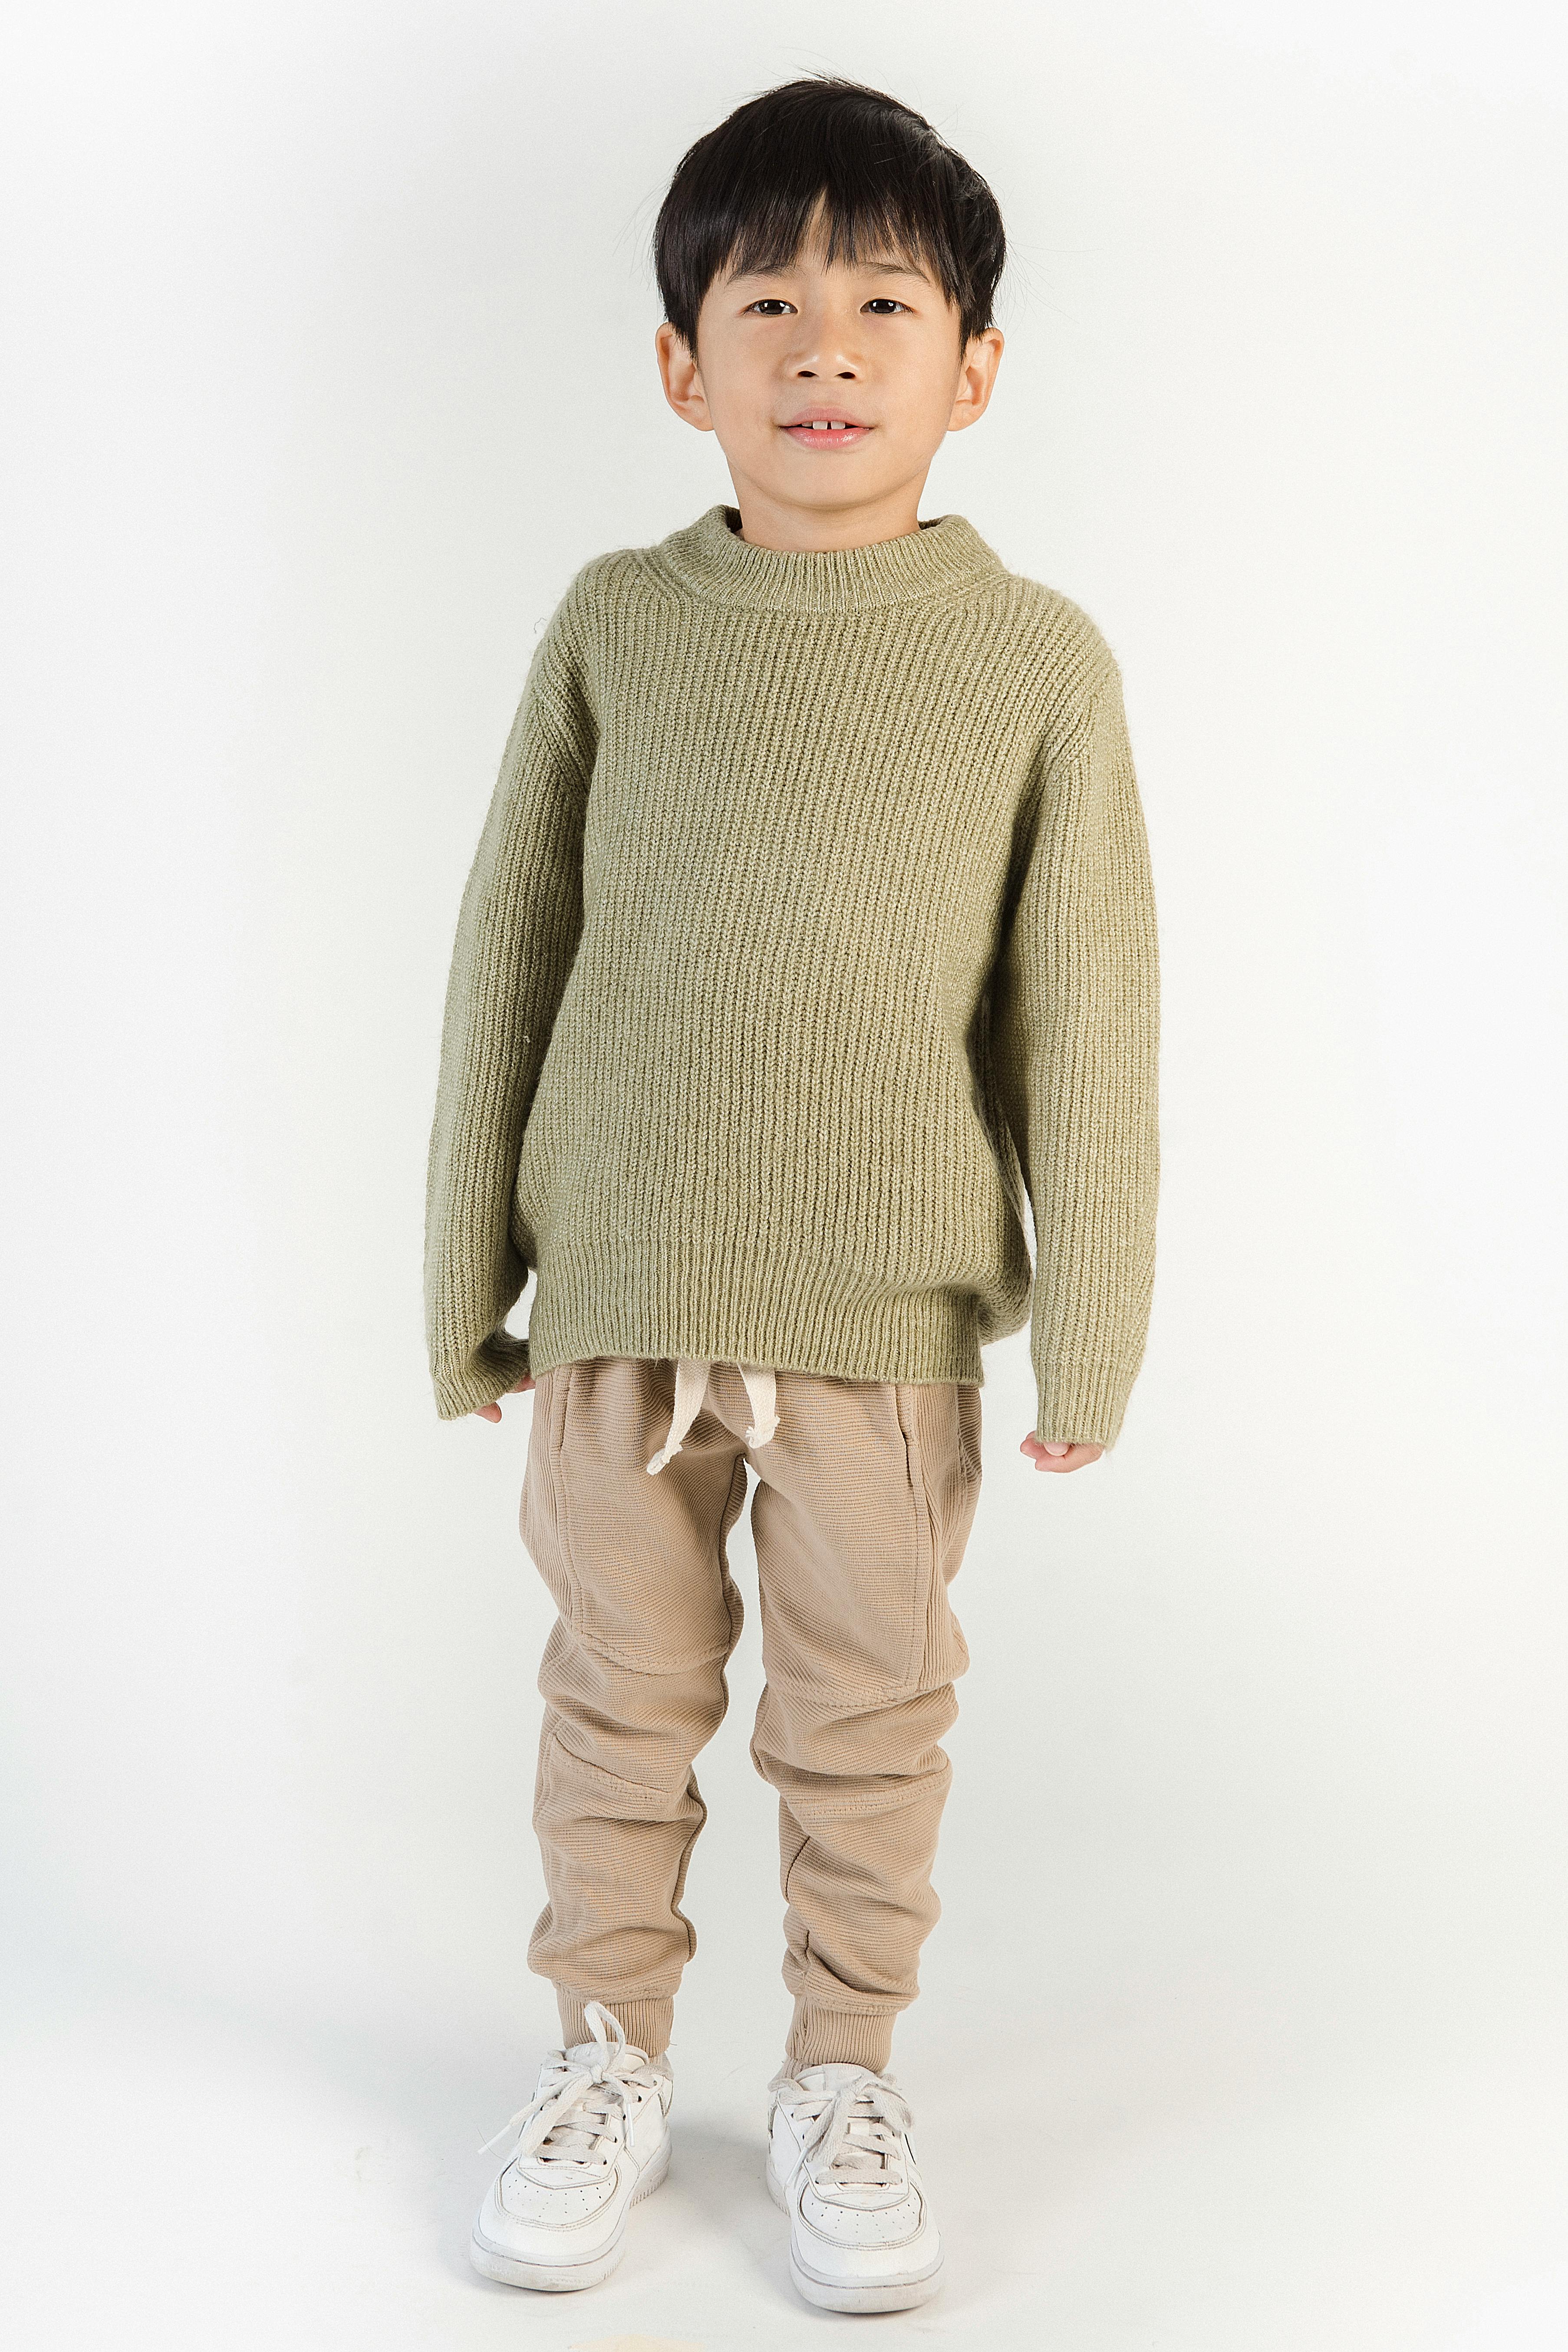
(837, 2295)
(565, 2278)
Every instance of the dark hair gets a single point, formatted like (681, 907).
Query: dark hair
(743, 197)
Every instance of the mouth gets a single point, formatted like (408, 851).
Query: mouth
(826, 430)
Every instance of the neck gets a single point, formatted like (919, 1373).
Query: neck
(767, 521)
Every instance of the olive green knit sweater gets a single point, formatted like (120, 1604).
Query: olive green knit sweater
(812, 924)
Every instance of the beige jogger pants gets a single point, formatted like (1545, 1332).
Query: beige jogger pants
(865, 1495)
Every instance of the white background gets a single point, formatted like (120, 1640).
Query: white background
(330, 359)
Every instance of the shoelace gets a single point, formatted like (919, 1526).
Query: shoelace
(855, 2139)
(573, 2118)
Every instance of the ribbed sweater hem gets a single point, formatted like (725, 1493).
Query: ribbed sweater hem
(796, 1324)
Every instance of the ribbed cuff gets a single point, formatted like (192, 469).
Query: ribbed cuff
(645, 2024)
(1081, 1404)
(490, 1372)
(839, 2037)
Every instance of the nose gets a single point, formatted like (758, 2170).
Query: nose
(827, 348)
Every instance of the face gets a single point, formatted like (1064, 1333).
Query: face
(830, 390)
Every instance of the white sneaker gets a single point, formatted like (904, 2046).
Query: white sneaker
(839, 2162)
(592, 2140)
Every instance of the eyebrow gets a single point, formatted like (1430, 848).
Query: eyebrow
(880, 264)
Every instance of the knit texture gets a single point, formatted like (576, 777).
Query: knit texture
(810, 942)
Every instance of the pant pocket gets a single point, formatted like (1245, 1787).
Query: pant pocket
(642, 1559)
(941, 1437)
(969, 1422)
(542, 1516)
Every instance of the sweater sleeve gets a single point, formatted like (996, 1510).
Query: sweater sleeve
(1078, 1051)
(518, 929)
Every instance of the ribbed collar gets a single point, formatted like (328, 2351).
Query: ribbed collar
(943, 557)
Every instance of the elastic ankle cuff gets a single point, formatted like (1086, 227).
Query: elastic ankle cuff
(840, 2037)
(645, 2024)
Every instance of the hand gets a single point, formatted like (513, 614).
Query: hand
(493, 1411)
(1054, 1455)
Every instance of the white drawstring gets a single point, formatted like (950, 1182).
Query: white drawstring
(690, 1387)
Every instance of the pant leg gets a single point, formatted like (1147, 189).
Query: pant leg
(633, 1678)
(865, 1501)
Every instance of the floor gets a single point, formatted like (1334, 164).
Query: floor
(174, 2179)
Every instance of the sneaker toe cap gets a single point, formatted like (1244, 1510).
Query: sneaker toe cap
(865, 2226)
(537, 2224)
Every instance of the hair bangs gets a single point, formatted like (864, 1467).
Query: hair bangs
(846, 224)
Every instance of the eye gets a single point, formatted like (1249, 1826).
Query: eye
(885, 303)
(771, 303)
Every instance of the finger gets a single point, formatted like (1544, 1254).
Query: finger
(1054, 1455)
(1076, 1457)
(487, 1412)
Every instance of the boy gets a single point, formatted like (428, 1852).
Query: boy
(811, 928)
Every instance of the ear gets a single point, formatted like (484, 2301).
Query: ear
(681, 377)
(977, 378)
